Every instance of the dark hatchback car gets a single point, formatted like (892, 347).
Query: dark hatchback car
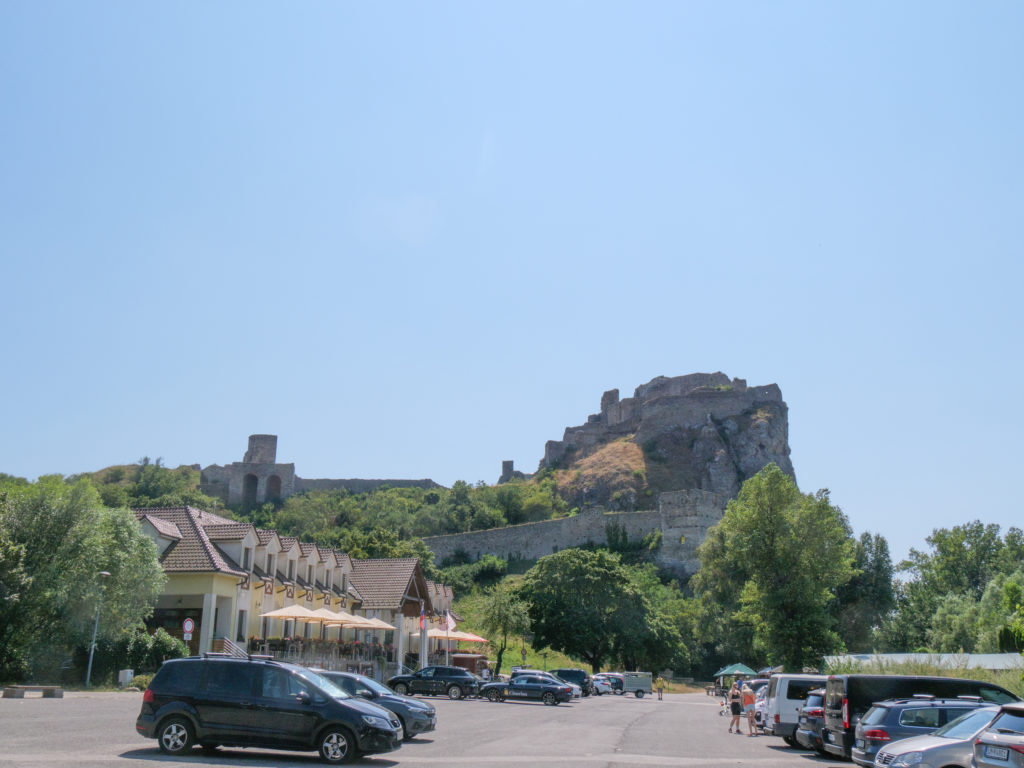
(255, 702)
(810, 719)
(416, 716)
(528, 688)
(889, 721)
(453, 682)
(576, 676)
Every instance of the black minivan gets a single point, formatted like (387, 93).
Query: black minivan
(848, 697)
(219, 700)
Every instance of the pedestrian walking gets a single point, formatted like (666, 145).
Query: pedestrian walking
(748, 708)
(735, 707)
(659, 685)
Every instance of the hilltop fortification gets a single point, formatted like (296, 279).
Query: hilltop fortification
(666, 460)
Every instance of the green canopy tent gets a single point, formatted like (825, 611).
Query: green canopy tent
(735, 669)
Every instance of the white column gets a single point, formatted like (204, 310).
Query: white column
(423, 639)
(399, 637)
(206, 622)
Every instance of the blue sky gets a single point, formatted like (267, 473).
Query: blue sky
(415, 240)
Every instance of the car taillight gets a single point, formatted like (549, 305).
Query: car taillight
(846, 713)
(148, 697)
(876, 734)
(777, 717)
(815, 712)
(1017, 747)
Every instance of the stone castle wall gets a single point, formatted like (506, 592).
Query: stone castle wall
(682, 517)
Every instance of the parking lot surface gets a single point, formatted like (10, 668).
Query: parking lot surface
(90, 730)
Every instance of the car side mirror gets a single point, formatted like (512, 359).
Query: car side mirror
(367, 694)
(304, 698)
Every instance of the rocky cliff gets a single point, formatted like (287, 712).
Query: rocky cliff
(703, 431)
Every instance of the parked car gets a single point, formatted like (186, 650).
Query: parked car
(786, 694)
(577, 691)
(760, 707)
(897, 719)
(528, 687)
(615, 678)
(576, 676)
(949, 747)
(453, 682)
(218, 700)
(416, 716)
(810, 719)
(600, 685)
(1001, 744)
(848, 697)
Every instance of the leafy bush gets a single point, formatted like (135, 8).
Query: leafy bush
(142, 681)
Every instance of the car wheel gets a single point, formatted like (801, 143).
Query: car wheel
(791, 742)
(176, 736)
(493, 695)
(549, 699)
(337, 746)
(454, 692)
(639, 694)
(402, 689)
(406, 736)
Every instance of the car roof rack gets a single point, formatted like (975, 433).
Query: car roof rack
(216, 655)
(260, 657)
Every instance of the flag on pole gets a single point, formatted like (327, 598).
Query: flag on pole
(423, 617)
(449, 621)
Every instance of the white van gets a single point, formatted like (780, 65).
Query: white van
(786, 694)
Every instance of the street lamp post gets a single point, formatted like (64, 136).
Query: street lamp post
(95, 628)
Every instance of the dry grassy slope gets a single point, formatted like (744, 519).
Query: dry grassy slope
(616, 471)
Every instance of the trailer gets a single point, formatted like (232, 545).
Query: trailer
(637, 683)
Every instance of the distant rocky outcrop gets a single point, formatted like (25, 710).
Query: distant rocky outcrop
(703, 431)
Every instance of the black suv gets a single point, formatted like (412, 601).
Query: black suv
(577, 676)
(258, 702)
(453, 682)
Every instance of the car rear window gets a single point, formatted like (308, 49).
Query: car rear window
(814, 700)
(967, 725)
(1009, 721)
(874, 716)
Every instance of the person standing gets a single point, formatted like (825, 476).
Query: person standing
(748, 708)
(735, 707)
(659, 685)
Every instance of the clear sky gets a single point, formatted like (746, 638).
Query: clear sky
(416, 239)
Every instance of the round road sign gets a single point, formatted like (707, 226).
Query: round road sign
(188, 625)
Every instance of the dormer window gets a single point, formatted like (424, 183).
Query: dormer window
(247, 559)
(309, 573)
(291, 570)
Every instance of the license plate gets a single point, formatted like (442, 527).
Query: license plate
(997, 753)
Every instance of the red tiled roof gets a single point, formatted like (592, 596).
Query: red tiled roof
(265, 536)
(193, 552)
(287, 542)
(232, 532)
(166, 529)
(383, 582)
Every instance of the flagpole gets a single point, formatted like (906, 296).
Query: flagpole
(447, 639)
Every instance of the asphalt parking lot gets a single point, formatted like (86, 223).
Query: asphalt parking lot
(89, 730)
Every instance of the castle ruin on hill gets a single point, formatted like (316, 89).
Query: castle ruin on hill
(665, 461)
(258, 477)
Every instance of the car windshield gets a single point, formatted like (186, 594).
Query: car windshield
(325, 685)
(965, 726)
(373, 685)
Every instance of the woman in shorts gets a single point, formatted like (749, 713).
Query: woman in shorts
(748, 707)
(735, 707)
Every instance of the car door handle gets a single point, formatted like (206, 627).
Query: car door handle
(247, 705)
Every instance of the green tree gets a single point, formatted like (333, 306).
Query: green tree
(14, 582)
(868, 599)
(786, 553)
(584, 604)
(68, 537)
(505, 616)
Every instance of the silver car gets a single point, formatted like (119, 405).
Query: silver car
(1001, 745)
(951, 745)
